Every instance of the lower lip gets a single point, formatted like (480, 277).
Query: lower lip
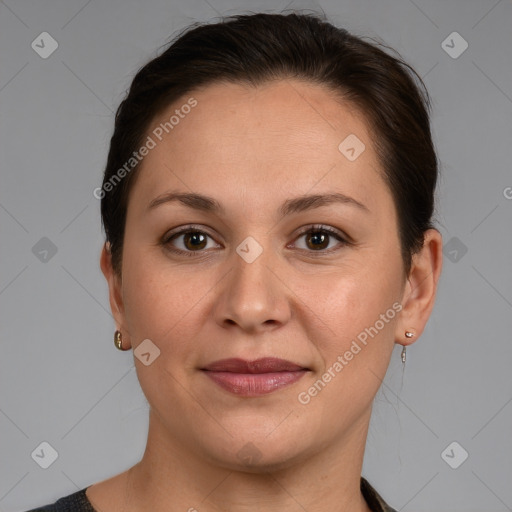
(254, 384)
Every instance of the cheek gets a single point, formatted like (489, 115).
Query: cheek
(352, 299)
(360, 311)
(159, 299)
(360, 306)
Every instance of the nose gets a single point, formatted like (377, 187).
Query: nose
(253, 295)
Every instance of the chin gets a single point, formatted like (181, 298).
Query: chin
(259, 454)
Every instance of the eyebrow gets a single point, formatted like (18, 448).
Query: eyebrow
(295, 205)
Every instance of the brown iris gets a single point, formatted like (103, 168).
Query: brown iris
(320, 240)
(194, 240)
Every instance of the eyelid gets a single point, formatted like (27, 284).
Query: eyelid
(324, 227)
(184, 229)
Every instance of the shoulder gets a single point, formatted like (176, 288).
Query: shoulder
(76, 502)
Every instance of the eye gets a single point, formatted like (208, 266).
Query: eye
(319, 238)
(187, 241)
(192, 241)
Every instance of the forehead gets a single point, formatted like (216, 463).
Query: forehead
(284, 135)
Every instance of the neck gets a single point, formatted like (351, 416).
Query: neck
(172, 477)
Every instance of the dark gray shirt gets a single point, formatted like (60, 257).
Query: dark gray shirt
(78, 502)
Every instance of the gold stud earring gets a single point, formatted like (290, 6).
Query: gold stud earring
(118, 340)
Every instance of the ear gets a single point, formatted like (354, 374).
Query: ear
(115, 293)
(420, 288)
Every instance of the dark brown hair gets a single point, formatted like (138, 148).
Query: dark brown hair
(254, 49)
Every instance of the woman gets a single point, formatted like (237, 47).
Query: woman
(267, 205)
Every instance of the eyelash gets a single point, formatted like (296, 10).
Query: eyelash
(317, 228)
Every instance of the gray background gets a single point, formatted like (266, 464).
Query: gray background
(61, 379)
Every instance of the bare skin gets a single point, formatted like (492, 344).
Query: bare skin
(252, 149)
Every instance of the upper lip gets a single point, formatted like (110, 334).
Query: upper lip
(262, 365)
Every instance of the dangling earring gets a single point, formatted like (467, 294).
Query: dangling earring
(408, 334)
(118, 341)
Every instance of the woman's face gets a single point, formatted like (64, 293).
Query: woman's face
(249, 282)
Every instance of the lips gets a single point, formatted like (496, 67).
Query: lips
(263, 365)
(253, 378)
